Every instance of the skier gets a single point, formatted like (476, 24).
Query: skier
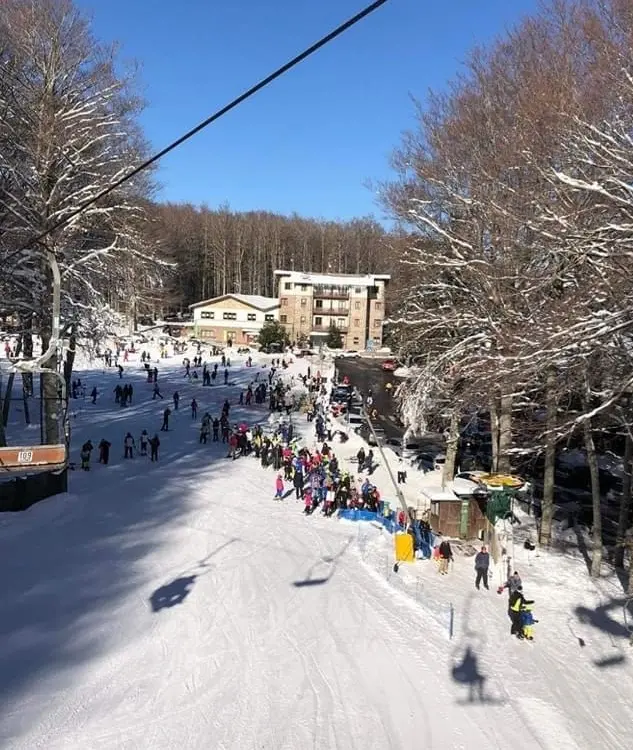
(120, 368)
(86, 450)
(165, 425)
(216, 428)
(194, 409)
(154, 444)
(104, 452)
(482, 563)
(128, 445)
(93, 395)
(176, 398)
(204, 431)
(516, 604)
(226, 377)
(143, 440)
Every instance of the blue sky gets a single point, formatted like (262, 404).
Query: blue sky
(311, 141)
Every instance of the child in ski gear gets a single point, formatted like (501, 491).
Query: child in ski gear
(279, 487)
(527, 622)
(517, 603)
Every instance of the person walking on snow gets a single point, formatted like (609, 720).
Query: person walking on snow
(176, 398)
(165, 425)
(482, 564)
(93, 395)
(194, 409)
(446, 555)
(157, 393)
(128, 445)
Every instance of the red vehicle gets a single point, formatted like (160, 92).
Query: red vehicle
(389, 365)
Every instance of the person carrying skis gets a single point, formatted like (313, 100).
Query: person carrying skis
(143, 441)
(104, 452)
(128, 445)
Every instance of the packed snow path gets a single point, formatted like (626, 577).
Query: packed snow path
(178, 606)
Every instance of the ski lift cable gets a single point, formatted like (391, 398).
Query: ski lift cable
(342, 28)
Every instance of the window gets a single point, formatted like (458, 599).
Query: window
(356, 341)
(357, 305)
(304, 287)
(318, 321)
(340, 323)
(207, 315)
(377, 305)
(251, 316)
(283, 318)
(269, 316)
(284, 301)
(358, 290)
(356, 322)
(377, 323)
(318, 303)
(287, 285)
(304, 301)
(229, 316)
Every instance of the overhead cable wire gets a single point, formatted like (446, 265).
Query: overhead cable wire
(342, 28)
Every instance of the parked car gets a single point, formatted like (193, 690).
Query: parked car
(350, 354)
(389, 365)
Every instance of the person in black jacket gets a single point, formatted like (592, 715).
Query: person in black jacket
(482, 563)
(517, 601)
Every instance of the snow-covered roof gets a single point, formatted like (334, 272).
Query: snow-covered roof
(253, 300)
(335, 279)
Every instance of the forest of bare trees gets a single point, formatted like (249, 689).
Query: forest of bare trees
(218, 251)
(517, 184)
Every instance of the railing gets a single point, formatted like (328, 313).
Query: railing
(341, 292)
(331, 311)
(326, 328)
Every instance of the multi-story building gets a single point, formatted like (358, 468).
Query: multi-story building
(237, 318)
(309, 303)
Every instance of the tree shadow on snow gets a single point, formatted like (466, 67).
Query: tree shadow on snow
(329, 562)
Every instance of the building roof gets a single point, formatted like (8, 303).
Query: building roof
(253, 300)
(338, 279)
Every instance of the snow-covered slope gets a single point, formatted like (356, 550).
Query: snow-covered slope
(175, 605)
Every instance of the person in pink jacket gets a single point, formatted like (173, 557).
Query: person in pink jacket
(279, 487)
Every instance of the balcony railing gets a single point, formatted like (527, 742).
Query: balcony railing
(326, 328)
(339, 292)
(331, 311)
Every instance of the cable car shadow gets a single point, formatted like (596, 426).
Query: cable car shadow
(331, 561)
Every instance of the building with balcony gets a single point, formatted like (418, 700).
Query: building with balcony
(309, 303)
(235, 318)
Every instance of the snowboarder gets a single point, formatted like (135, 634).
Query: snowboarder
(104, 451)
(154, 444)
(128, 446)
(482, 564)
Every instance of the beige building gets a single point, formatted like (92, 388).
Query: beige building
(310, 302)
(237, 318)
